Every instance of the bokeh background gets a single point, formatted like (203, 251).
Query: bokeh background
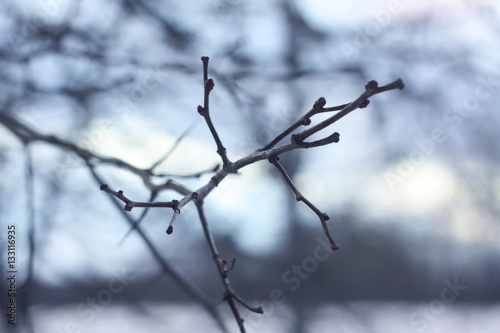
(413, 186)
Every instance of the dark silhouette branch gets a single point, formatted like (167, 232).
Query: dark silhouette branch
(28, 135)
(205, 112)
(361, 102)
(221, 264)
(318, 107)
(189, 288)
(129, 204)
(139, 220)
(323, 217)
(269, 152)
(305, 120)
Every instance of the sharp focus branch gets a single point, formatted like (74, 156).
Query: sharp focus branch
(323, 217)
(205, 112)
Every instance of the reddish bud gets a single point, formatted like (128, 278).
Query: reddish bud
(320, 102)
(201, 110)
(326, 217)
(224, 262)
(298, 198)
(128, 207)
(364, 104)
(371, 85)
(170, 229)
(306, 122)
(209, 84)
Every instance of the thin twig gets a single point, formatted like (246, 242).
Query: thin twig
(268, 152)
(229, 293)
(323, 217)
(174, 146)
(398, 84)
(177, 210)
(137, 222)
(129, 204)
(189, 175)
(205, 112)
(189, 288)
(303, 121)
(240, 321)
(28, 135)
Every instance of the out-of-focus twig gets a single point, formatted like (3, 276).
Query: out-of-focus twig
(28, 135)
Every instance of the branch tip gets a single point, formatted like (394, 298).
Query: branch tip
(320, 103)
(400, 84)
(170, 230)
(371, 85)
(104, 187)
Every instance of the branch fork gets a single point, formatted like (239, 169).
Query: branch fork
(270, 152)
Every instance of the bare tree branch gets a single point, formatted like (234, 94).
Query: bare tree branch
(305, 120)
(360, 102)
(323, 217)
(28, 135)
(166, 267)
(269, 152)
(140, 219)
(205, 112)
(229, 292)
